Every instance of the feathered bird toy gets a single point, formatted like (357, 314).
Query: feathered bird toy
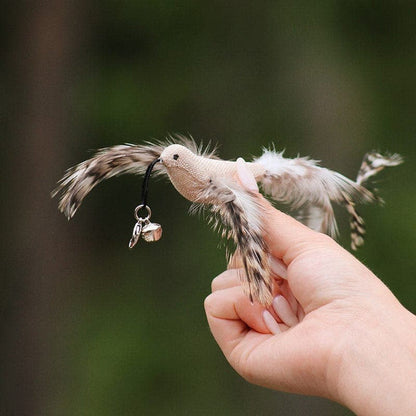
(201, 177)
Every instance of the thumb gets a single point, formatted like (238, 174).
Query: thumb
(286, 237)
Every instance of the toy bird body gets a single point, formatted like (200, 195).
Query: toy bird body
(201, 177)
(192, 175)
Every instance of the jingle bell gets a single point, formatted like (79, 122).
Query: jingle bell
(152, 232)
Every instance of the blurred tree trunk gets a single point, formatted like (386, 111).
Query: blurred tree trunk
(43, 38)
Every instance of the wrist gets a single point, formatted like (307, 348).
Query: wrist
(377, 373)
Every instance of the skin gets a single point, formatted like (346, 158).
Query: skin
(335, 330)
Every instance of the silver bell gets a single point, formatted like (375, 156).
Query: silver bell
(152, 232)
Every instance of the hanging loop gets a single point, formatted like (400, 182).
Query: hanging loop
(136, 213)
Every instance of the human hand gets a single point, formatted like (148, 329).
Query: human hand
(342, 333)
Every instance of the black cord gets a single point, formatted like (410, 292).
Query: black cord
(145, 186)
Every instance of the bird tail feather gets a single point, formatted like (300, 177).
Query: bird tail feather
(372, 164)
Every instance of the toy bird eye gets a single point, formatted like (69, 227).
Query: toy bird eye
(176, 156)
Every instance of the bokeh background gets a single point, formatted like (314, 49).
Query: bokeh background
(91, 328)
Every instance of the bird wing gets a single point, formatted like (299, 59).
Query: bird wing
(237, 213)
(308, 188)
(372, 164)
(317, 218)
(79, 180)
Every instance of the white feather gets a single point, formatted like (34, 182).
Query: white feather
(302, 183)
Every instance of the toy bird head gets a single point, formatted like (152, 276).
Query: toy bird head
(201, 177)
(184, 170)
(176, 155)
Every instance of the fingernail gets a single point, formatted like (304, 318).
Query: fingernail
(245, 176)
(271, 323)
(278, 267)
(289, 296)
(282, 308)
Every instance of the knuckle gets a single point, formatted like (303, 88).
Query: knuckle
(215, 283)
(209, 303)
(218, 282)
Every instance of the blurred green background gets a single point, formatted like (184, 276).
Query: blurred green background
(91, 328)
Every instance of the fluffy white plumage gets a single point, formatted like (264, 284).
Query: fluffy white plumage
(304, 185)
